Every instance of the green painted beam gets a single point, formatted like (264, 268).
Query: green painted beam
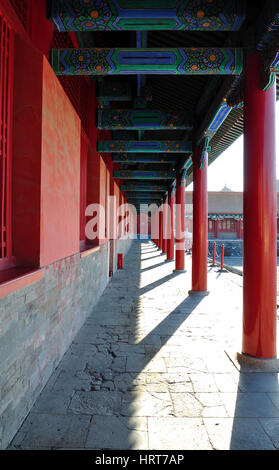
(143, 158)
(143, 187)
(144, 146)
(136, 15)
(143, 195)
(143, 175)
(142, 119)
(112, 90)
(180, 61)
(144, 201)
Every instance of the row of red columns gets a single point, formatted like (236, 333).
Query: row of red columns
(260, 218)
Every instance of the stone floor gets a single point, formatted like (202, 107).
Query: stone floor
(148, 370)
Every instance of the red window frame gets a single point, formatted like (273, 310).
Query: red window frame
(6, 119)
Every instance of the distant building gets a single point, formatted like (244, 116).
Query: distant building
(225, 213)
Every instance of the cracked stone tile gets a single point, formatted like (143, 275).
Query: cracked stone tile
(186, 405)
(218, 363)
(95, 403)
(114, 320)
(119, 364)
(226, 382)
(127, 349)
(86, 336)
(180, 387)
(190, 364)
(249, 405)
(237, 434)
(214, 412)
(99, 362)
(139, 363)
(78, 349)
(107, 385)
(69, 382)
(274, 397)
(103, 348)
(177, 434)
(258, 382)
(117, 432)
(128, 381)
(54, 430)
(16, 442)
(71, 363)
(170, 378)
(53, 402)
(159, 387)
(271, 427)
(203, 382)
(209, 399)
(146, 404)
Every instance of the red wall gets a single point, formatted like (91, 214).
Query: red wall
(57, 170)
(27, 134)
(60, 184)
(83, 184)
(46, 162)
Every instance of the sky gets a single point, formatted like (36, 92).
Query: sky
(227, 169)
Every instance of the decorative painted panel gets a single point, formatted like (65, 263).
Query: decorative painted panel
(181, 61)
(146, 146)
(142, 119)
(143, 187)
(142, 175)
(142, 195)
(195, 15)
(143, 158)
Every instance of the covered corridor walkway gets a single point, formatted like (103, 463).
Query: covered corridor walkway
(148, 370)
(108, 112)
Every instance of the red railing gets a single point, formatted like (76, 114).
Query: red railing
(6, 94)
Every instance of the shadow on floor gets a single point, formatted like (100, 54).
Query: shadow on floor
(130, 381)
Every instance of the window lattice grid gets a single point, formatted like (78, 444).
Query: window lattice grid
(21, 9)
(70, 84)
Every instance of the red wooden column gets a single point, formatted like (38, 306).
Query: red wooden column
(260, 211)
(160, 244)
(155, 227)
(180, 222)
(200, 225)
(165, 228)
(170, 243)
(217, 228)
(238, 228)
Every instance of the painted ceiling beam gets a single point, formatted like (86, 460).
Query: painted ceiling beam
(136, 202)
(143, 195)
(144, 146)
(143, 187)
(142, 119)
(119, 15)
(111, 90)
(143, 174)
(142, 158)
(180, 61)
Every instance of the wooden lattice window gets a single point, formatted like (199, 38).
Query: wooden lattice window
(76, 88)
(6, 104)
(70, 84)
(22, 11)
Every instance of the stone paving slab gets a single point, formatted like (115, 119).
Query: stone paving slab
(148, 370)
